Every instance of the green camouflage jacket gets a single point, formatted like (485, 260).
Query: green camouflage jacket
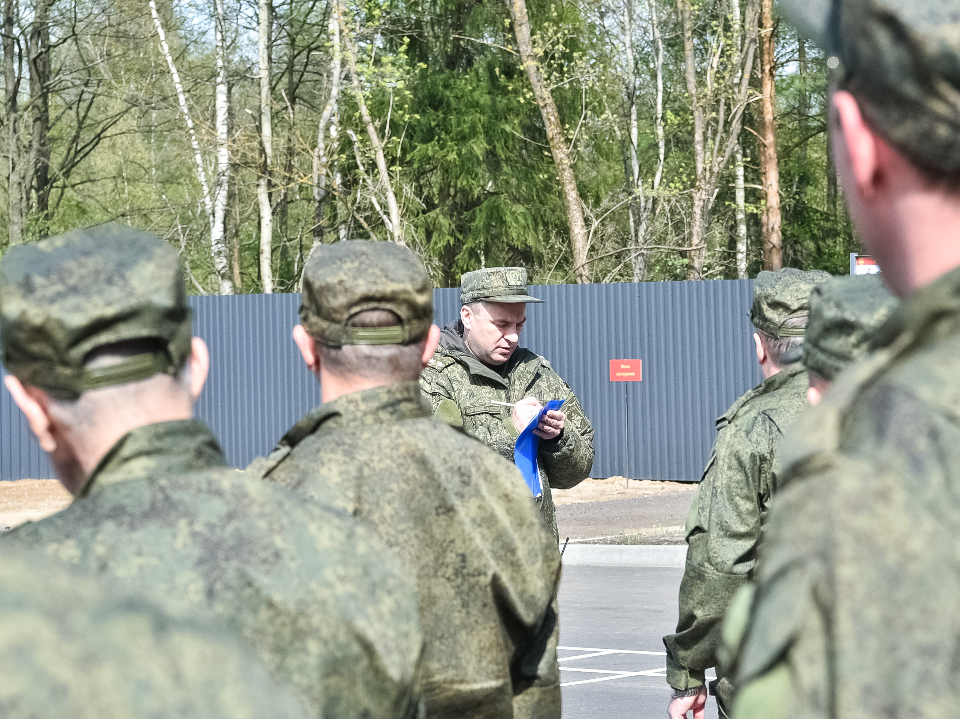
(323, 602)
(724, 524)
(461, 389)
(72, 647)
(487, 571)
(856, 610)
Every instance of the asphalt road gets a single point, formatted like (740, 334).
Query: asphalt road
(612, 621)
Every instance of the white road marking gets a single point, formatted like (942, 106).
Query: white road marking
(608, 674)
(607, 650)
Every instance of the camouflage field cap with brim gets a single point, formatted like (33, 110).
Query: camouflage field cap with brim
(845, 313)
(782, 296)
(499, 284)
(65, 296)
(346, 278)
(901, 60)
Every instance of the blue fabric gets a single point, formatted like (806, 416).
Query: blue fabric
(525, 451)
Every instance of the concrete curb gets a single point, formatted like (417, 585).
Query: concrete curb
(673, 556)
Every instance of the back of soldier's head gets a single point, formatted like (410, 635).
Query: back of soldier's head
(92, 309)
(901, 61)
(845, 313)
(368, 307)
(781, 303)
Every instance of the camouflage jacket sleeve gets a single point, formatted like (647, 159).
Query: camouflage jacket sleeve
(568, 459)
(723, 533)
(436, 390)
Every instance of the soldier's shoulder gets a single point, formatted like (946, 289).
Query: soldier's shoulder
(150, 663)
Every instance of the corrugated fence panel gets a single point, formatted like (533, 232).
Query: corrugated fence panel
(692, 337)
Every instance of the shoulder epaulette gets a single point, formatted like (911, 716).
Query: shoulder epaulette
(438, 362)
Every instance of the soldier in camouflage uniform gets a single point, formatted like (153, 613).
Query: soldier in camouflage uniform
(479, 363)
(70, 647)
(96, 333)
(856, 610)
(462, 518)
(724, 523)
(845, 313)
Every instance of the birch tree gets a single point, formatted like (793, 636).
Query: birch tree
(218, 249)
(218, 236)
(264, 48)
(718, 100)
(327, 123)
(740, 195)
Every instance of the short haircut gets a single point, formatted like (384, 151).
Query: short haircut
(777, 348)
(87, 409)
(391, 363)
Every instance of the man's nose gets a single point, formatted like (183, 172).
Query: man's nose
(512, 335)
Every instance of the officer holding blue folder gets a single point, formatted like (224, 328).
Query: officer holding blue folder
(480, 379)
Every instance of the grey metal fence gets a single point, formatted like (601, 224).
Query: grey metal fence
(693, 339)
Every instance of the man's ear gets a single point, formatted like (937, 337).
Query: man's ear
(199, 367)
(858, 146)
(308, 348)
(33, 406)
(761, 348)
(430, 344)
(466, 317)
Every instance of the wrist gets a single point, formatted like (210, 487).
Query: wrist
(689, 692)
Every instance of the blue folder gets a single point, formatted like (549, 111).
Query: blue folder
(525, 451)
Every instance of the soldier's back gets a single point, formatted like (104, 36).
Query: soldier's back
(70, 647)
(860, 577)
(462, 518)
(323, 602)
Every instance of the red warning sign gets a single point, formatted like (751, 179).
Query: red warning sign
(626, 370)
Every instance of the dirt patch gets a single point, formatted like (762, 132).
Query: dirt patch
(616, 488)
(611, 511)
(23, 500)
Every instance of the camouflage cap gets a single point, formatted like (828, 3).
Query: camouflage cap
(65, 296)
(901, 60)
(346, 278)
(845, 312)
(501, 284)
(781, 296)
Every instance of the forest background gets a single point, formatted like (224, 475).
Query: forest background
(587, 140)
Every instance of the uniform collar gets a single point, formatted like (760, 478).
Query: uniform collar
(377, 406)
(173, 448)
(773, 383)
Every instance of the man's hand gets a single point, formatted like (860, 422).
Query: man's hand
(551, 426)
(525, 411)
(696, 704)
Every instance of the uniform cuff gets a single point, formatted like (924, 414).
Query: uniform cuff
(683, 678)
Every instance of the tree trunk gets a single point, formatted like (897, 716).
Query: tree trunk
(321, 159)
(555, 137)
(772, 237)
(639, 257)
(12, 71)
(740, 197)
(698, 251)
(741, 213)
(38, 50)
(395, 229)
(218, 243)
(264, 48)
